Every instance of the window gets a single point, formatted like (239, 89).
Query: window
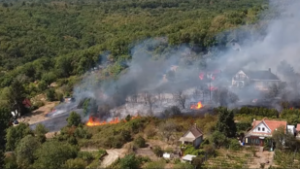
(258, 128)
(263, 129)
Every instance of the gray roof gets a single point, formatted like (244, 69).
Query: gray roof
(261, 74)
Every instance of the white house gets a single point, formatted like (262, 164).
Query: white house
(260, 79)
(194, 136)
(262, 129)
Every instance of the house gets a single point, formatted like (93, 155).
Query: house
(298, 131)
(187, 158)
(262, 129)
(260, 79)
(194, 136)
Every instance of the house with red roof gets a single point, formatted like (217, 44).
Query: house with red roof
(262, 129)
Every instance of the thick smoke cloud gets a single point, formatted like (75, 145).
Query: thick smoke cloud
(153, 67)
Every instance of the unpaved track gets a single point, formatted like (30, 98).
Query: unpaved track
(113, 155)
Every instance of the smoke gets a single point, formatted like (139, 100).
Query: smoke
(158, 68)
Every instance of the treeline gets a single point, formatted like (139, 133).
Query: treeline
(50, 40)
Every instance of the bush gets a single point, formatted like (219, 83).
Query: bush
(140, 142)
(51, 95)
(37, 105)
(74, 119)
(86, 156)
(234, 144)
(190, 149)
(218, 139)
(76, 163)
(130, 161)
(157, 151)
(82, 133)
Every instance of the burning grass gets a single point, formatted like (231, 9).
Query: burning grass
(94, 121)
(196, 106)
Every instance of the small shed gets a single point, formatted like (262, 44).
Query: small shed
(188, 158)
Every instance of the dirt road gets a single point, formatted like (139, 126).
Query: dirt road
(113, 155)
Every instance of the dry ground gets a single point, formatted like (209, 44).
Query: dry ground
(244, 158)
(39, 114)
(113, 155)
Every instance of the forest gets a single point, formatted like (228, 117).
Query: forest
(46, 41)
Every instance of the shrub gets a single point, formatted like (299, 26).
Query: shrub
(190, 149)
(74, 119)
(130, 161)
(87, 156)
(76, 163)
(140, 142)
(234, 144)
(157, 151)
(51, 95)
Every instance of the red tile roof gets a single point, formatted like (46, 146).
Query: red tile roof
(298, 127)
(272, 124)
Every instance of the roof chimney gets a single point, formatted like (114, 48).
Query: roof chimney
(269, 69)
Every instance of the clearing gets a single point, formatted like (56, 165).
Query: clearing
(39, 114)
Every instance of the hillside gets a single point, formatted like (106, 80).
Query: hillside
(49, 40)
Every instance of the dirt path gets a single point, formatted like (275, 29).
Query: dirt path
(261, 157)
(113, 155)
(39, 114)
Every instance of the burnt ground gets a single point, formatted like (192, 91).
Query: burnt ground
(57, 122)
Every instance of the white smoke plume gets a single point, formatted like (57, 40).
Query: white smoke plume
(153, 61)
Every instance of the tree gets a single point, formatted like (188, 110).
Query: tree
(50, 94)
(40, 131)
(76, 163)
(197, 162)
(218, 139)
(15, 134)
(158, 151)
(5, 119)
(226, 124)
(285, 140)
(128, 118)
(16, 96)
(25, 151)
(130, 162)
(167, 129)
(74, 119)
(54, 154)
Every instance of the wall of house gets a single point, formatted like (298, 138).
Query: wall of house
(261, 128)
(264, 84)
(252, 141)
(198, 141)
(239, 79)
(189, 135)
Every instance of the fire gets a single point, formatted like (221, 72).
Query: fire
(196, 107)
(93, 121)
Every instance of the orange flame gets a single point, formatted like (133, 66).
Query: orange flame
(93, 121)
(197, 106)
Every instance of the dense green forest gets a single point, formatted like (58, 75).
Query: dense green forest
(49, 40)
